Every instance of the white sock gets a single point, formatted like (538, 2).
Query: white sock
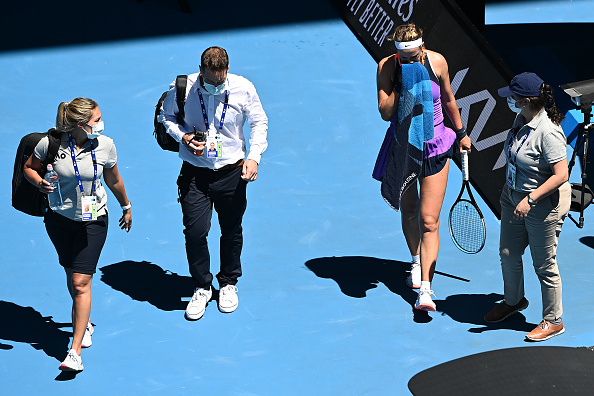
(416, 259)
(425, 285)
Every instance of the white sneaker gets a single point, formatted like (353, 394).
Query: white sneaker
(73, 362)
(228, 300)
(414, 278)
(424, 301)
(86, 341)
(198, 303)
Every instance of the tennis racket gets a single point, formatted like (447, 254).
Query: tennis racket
(467, 224)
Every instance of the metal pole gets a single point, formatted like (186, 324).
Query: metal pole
(587, 110)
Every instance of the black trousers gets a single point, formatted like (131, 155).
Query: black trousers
(199, 190)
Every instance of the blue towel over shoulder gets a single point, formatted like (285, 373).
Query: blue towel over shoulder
(401, 158)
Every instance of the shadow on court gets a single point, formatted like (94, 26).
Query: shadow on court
(24, 324)
(588, 241)
(355, 275)
(144, 281)
(131, 19)
(471, 308)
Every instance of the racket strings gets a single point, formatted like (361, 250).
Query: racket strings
(467, 227)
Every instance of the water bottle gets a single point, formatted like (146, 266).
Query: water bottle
(55, 197)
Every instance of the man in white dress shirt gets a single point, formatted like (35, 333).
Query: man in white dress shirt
(217, 106)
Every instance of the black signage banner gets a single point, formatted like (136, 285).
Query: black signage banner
(476, 73)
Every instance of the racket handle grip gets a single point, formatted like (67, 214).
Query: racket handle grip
(465, 172)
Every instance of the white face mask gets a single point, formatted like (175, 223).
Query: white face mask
(96, 130)
(215, 90)
(511, 103)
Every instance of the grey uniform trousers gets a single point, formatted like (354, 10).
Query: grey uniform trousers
(540, 230)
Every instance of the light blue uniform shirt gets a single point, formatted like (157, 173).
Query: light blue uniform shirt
(546, 145)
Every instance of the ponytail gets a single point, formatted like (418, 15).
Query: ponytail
(547, 101)
(551, 108)
(61, 124)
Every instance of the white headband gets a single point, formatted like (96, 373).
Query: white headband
(403, 45)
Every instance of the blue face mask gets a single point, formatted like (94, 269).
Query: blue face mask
(511, 103)
(96, 130)
(215, 90)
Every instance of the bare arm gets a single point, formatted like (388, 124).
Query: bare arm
(31, 171)
(114, 181)
(387, 97)
(448, 100)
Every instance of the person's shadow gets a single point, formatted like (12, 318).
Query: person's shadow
(355, 275)
(24, 324)
(471, 308)
(144, 281)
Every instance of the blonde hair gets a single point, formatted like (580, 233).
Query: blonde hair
(408, 32)
(73, 112)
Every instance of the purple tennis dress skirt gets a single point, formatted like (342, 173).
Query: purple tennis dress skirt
(436, 151)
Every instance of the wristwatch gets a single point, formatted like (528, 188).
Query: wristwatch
(531, 202)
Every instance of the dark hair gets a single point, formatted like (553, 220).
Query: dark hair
(215, 59)
(547, 101)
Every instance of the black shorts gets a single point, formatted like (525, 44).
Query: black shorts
(433, 165)
(78, 243)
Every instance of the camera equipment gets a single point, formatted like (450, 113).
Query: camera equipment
(582, 94)
(199, 136)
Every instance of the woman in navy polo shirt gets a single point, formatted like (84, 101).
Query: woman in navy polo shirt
(78, 229)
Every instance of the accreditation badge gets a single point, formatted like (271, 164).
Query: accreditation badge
(511, 175)
(89, 207)
(214, 146)
(211, 148)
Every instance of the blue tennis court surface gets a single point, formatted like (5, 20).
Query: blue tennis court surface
(538, 11)
(323, 308)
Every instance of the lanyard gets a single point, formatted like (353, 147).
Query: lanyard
(80, 185)
(205, 116)
(509, 145)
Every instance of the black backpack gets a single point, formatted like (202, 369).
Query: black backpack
(165, 140)
(25, 196)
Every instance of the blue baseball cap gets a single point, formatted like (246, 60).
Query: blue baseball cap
(526, 85)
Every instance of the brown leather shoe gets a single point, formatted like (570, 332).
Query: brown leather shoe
(502, 311)
(545, 330)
